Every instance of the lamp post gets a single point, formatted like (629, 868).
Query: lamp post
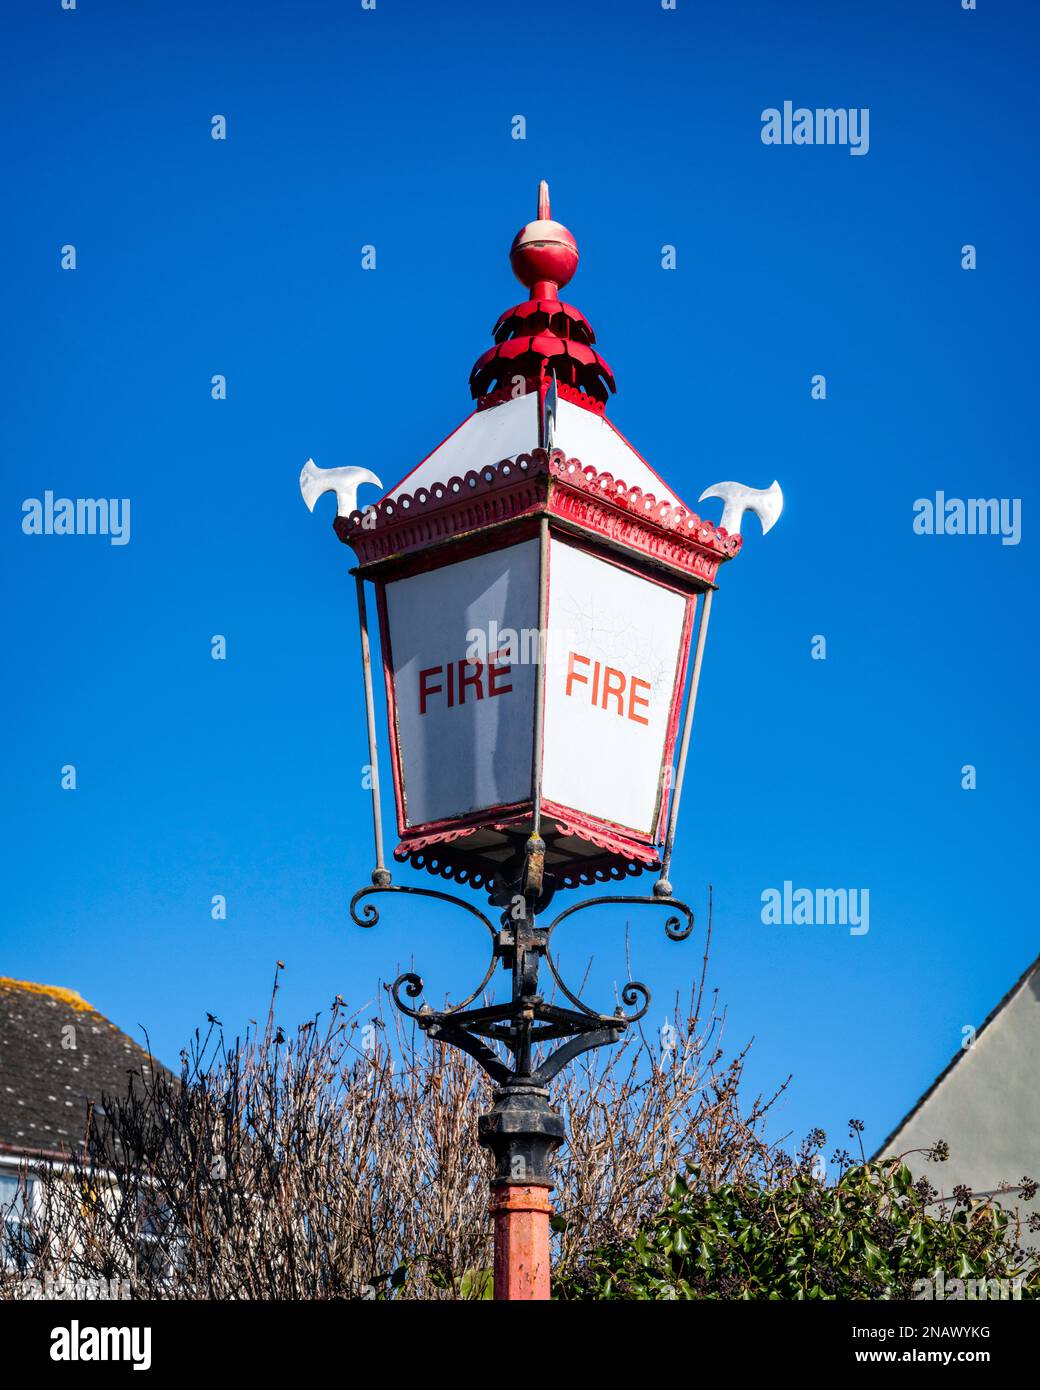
(543, 601)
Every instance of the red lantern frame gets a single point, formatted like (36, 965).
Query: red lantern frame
(541, 493)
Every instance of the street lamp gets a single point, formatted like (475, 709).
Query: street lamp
(540, 592)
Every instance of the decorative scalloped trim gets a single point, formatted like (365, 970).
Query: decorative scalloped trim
(616, 872)
(457, 868)
(664, 515)
(440, 853)
(567, 356)
(458, 488)
(441, 837)
(552, 310)
(510, 488)
(615, 847)
(444, 866)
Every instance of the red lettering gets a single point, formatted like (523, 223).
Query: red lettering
(472, 681)
(572, 674)
(467, 674)
(494, 671)
(634, 699)
(426, 690)
(614, 684)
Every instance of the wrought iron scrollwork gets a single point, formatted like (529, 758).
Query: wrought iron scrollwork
(527, 1020)
(672, 928)
(369, 915)
(413, 987)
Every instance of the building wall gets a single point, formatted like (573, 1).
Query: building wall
(987, 1108)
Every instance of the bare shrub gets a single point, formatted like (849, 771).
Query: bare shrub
(342, 1161)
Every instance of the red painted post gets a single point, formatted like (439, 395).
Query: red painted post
(521, 1217)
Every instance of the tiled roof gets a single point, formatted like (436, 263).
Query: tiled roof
(57, 1054)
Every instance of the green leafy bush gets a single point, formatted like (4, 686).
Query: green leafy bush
(875, 1234)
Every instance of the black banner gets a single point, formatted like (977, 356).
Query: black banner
(72, 1339)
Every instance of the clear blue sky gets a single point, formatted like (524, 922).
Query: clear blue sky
(242, 257)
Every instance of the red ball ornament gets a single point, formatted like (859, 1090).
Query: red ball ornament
(544, 253)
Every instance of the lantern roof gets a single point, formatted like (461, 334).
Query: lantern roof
(511, 428)
(541, 393)
(538, 342)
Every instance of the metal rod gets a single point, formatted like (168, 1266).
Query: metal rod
(380, 874)
(684, 747)
(539, 688)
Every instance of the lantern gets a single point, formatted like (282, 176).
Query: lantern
(537, 588)
(543, 600)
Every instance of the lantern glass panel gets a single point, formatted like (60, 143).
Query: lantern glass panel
(462, 704)
(615, 654)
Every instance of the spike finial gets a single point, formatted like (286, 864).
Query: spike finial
(544, 210)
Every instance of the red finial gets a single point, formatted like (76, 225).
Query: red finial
(541, 339)
(544, 254)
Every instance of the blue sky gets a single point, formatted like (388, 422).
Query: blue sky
(243, 257)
